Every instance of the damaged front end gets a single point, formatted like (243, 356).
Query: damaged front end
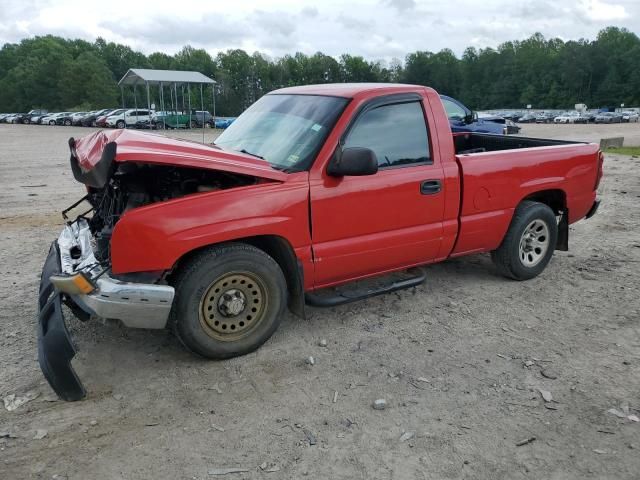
(73, 276)
(77, 272)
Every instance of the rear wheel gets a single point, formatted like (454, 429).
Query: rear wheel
(52, 122)
(193, 124)
(229, 301)
(120, 124)
(529, 243)
(67, 123)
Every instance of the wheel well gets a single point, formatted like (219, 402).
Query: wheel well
(282, 252)
(555, 199)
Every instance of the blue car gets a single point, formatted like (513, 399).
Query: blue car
(463, 119)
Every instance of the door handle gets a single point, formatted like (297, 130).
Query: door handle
(429, 187)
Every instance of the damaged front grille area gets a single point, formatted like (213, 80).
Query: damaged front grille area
(133, 185)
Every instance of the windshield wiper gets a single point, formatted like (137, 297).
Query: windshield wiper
(252, 154)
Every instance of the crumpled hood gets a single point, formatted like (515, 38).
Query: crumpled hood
(133, 146)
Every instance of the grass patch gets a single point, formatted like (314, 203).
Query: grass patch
(624, 151)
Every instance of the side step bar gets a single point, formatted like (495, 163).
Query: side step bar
(340, 299)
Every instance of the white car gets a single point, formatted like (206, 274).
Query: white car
(569, 117)
(129, 118)
(630, 117)
(51, 118)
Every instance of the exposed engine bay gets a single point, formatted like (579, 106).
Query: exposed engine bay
(135, 185)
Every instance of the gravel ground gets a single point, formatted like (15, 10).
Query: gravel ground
(459, 360)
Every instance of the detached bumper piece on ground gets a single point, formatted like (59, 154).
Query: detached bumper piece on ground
(55, 347)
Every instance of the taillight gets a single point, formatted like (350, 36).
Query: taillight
(600, 171)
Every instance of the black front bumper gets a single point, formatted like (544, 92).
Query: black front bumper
(55, 347)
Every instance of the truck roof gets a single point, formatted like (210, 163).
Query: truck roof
(348, 90)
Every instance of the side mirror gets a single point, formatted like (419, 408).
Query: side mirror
(470, 117)
(355, 161)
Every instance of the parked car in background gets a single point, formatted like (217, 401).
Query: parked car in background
(223, 123)
(527, 118)
(65, 119)
(76, 118)
(463, 119)
(25, 118)
(512, 127)
(128, 118)
(200, 118)
(608, 117)
(584, 118)
(545, 117)
(52, 118)
(567, 117)
(630, 117)
(89, 120)
(101, 121)
(11, 118)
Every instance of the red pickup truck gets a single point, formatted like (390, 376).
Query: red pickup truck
(310, 188)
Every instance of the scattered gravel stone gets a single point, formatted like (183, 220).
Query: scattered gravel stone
(226, 471)
(311, 438)
(548, 373)
(546, 395)
(322, 343)
(616, 412)
(40, 434)
(310, 361)
(406, 436)
(525, 441)
(93, 423)
(12, 402)
(379, 404)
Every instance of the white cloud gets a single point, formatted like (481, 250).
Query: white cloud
(376, 29)
(598, 10)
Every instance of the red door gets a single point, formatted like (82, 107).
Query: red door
(387, 221)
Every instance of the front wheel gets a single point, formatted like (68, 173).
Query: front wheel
(529, 243)
(229, 301)
(120, 124)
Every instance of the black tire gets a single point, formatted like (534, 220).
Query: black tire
(520, 263)
(67, 123)
(193, 124)
(26, 121)
(120, 124)
(193, 324)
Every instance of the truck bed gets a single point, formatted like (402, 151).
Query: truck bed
(469, 143)
(495, 179)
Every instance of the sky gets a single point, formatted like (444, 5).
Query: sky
(375, 29)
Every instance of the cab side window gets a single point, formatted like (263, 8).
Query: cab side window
(397, 133)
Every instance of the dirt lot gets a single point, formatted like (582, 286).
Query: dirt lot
(459, 361)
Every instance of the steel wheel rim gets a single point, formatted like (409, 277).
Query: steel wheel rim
(233, 306)
(534, 243)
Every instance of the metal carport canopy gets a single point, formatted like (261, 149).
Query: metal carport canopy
(135, 76)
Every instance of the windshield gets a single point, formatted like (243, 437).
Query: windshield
(285, 130)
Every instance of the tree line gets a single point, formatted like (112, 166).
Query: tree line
(63, 74)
